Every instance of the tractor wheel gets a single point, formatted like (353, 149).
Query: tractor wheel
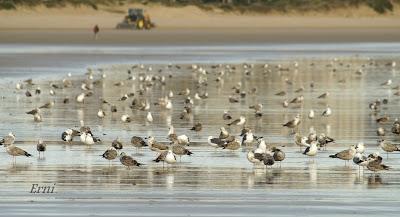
(140, 24)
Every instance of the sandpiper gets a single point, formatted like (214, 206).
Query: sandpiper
(41, 147)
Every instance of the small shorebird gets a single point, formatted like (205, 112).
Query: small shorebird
(345, 155)
(110, 154)
(128, 161)
(41, 147)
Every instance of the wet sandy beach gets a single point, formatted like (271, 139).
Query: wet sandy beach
(201, 36)
(211, 182)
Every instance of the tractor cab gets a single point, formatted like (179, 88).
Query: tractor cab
(136, 19)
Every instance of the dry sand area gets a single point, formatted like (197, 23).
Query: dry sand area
(191, 17)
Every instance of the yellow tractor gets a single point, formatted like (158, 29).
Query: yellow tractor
(136, 19)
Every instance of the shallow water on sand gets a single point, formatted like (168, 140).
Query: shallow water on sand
(211, 182)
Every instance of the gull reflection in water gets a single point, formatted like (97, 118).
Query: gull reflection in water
(169, 180)
(374, 181)
(312, 172)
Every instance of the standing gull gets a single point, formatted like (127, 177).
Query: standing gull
(110, 154)
(360, 160)
(388, 147)
(293, 123)
(166, 156)
(375, 164)
(15, 151)
(255, 156)
(301, 141)
(180, 150)
(279, 155)
(345, 155)
(248, 138)
(312, 150)
(156, 146)
(138, 142)
(117, 144)
(128, 161)
(8, 140)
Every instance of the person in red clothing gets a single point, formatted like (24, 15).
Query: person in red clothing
(96, 30)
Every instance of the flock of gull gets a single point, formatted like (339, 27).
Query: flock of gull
(259, 151)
